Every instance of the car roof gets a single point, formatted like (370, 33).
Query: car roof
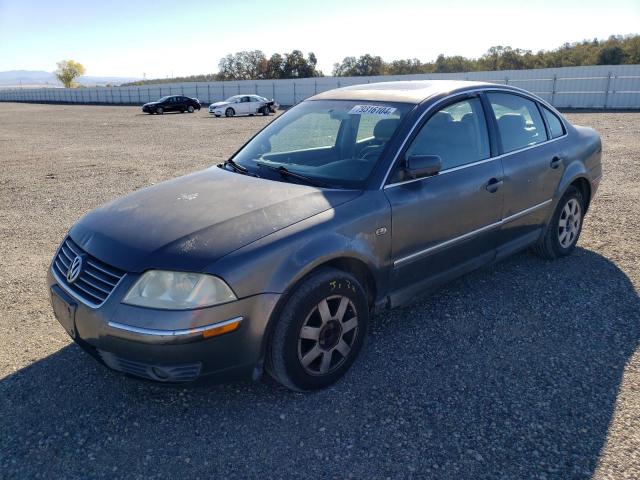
(411, 91)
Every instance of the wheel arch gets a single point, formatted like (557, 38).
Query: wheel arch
(347, 263)
(584, 187)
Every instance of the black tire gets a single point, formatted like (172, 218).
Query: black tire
(266, 110)
(159, 111)
(229, 112)
(288, 349)
(191, 109)
(550, 246)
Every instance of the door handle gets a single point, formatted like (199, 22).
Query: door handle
(555, 162)
(493, 185)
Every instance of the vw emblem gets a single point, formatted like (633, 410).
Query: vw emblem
(74, 269)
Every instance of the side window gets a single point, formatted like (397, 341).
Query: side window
(555, 125)
(519, 121)
(246, 99)
(457, 134)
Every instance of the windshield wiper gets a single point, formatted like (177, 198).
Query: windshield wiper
(236, 167)
(284, 172)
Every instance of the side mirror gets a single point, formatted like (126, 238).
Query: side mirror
(418, 166)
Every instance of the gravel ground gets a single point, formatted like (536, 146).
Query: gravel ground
(526, 369)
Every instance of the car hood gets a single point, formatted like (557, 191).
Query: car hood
(219, 104)
(189, 222)
(150, 103)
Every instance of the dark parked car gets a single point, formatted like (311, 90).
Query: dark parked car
(172, 103)
(352, 201)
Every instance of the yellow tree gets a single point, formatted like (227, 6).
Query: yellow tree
(68, 71)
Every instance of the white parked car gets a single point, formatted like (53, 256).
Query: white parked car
(243, 105)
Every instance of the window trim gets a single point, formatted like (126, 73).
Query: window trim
(492, 128)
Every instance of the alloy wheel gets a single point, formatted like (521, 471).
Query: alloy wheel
(569, 223)
(327, 335)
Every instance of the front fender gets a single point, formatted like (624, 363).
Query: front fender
(319, 251)
(277, 262)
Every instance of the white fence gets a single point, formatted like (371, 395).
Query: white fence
(602, 86)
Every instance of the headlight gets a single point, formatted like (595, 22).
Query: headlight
(178, 290)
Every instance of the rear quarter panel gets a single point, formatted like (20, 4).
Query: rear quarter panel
(583, 150)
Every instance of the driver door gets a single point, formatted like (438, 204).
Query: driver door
(171, 104)
(244, 107)
(446, 224)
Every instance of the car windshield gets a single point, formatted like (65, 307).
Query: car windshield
(231, 99)
(334, 142)
(164, 99)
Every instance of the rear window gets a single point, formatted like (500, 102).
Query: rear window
(519, 121)
(555, 125)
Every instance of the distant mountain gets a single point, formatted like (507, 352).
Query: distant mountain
(40, 78)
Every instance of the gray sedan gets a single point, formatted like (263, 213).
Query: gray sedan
(353, 201)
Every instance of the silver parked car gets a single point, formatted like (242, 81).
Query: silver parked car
(243, 105)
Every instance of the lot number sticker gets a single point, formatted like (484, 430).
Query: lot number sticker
(372, 110)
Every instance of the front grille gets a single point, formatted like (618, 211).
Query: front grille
(162, 373)
(97, 279)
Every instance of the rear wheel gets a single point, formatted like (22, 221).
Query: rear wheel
(159, 111)
(320, 331)
(564, 228)
(229, 112)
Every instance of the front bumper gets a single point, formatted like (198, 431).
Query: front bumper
(168, 345)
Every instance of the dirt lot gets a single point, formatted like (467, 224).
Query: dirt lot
(526, 369)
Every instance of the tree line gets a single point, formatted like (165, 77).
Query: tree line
(254, 64)
(616, 50)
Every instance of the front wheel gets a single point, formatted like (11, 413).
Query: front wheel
(229, 112)
(159, 111)
(564, 228)
(190, 109)
(266, 110)
(320, 331)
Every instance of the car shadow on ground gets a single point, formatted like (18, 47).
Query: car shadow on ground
(510, 372)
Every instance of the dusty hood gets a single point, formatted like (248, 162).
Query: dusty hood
(189, 222)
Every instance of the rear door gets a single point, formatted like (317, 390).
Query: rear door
(446, 224)
(256, 104)
(533, 166)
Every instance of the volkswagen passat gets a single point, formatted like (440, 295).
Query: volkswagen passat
(354, 200)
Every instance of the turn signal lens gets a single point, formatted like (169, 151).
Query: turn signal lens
(214, 332)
